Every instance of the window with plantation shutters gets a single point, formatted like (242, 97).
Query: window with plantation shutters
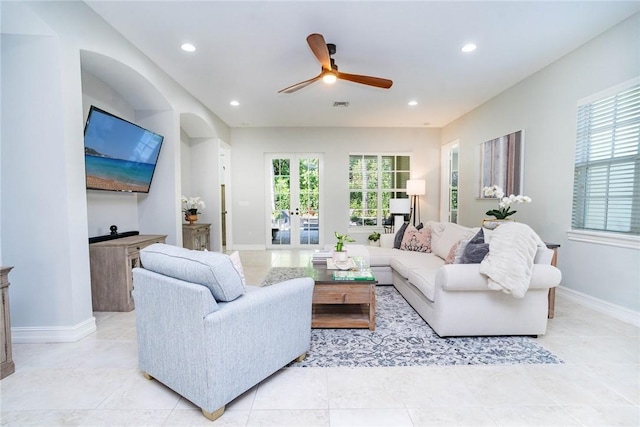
(606, 192)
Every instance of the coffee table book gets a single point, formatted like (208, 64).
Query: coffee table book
(364, 275)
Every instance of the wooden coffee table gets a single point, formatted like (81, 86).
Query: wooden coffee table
(342, 304)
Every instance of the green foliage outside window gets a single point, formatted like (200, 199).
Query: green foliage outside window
(373, 180)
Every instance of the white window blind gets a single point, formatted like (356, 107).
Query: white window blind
(606, 191)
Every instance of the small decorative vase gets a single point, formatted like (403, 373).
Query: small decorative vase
(340, 256)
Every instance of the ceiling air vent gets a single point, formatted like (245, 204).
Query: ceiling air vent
(344, 104)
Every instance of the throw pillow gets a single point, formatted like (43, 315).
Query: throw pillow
(452, 234)
(460, 251)
(397, 241)
(451, 256)
(476, 250)
(211, 269)
(237, 264)
(474, 253)
(478, 237)
(416, 240)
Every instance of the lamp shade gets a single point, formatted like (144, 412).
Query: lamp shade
(399, 206)
(416, 187)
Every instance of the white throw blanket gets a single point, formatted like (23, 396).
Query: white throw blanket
(509, 263)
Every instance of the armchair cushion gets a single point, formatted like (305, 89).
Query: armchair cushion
(211, 269)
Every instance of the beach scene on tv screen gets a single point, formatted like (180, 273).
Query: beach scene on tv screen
(119, 156)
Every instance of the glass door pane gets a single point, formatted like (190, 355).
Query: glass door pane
(309, 200)
(294, 203)
(280, 201)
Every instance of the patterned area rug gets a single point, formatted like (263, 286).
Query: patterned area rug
(403, 338)
(280, 274)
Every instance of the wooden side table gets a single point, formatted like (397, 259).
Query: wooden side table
(552, 291)
(196, 236)
(7, 367)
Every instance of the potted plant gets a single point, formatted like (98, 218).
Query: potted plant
(504, 209)
(190, 208)
(340, 253)
(374, 238)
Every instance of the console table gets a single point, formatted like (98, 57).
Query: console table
(111, 264)
(7, 367)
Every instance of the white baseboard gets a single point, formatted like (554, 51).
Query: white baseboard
(602, 306)
(48, 334)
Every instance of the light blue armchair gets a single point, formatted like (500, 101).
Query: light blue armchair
(212, 351)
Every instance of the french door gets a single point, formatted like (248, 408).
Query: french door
(294, 206)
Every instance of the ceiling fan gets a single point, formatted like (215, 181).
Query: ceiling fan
(329, 72)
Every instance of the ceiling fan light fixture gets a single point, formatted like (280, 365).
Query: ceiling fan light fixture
(329, 77)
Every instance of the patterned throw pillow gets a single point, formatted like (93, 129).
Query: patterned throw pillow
(451, 257)
(416, 240)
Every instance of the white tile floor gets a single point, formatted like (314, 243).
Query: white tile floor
(95, 382)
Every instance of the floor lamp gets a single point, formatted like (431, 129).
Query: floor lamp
(399, 208)
(415, 188)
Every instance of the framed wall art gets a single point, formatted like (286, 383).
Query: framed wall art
(502, 163)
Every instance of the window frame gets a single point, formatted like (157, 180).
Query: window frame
(589, 128)
(379, 190)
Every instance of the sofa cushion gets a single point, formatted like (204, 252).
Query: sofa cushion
(211, 269)
(405, 261)
(380, 256)
(437, 228)
(425, 280)
(451, 235)
(418, 240)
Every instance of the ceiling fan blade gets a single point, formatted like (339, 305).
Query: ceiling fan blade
(366, 80)
(300, 85)
(319, 48)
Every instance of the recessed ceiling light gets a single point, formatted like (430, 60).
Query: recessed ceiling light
(188, 47)
(234, 103)
(469, 47)
(413, 103)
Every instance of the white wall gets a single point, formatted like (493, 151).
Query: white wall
(544, 105)
(248, 171)
(44, 46)
(185, 163)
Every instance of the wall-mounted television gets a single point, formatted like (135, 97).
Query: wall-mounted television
(119, 155)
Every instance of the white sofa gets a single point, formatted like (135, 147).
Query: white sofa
(455, 299)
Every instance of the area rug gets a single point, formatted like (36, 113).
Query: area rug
(403, 338)
(280, 274)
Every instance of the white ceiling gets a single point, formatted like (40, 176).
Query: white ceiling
(247, 51)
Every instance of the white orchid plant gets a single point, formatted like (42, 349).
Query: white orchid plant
(504, 205)
(192, 204)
